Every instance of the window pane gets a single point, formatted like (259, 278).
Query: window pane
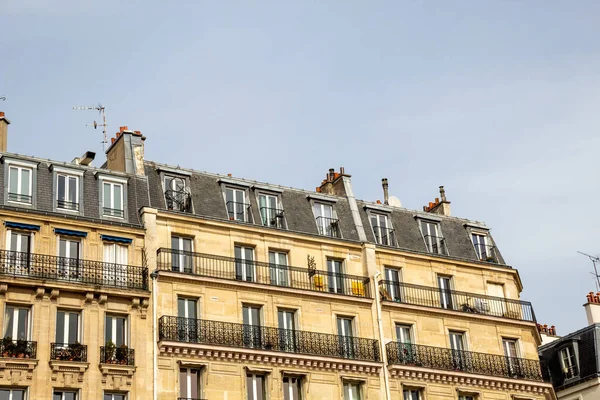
(118, 197)
(183, 383)
(108, 329)
(106, 196)
(18, 394)
(60, 327)
(25, 180)
(13, 180)
(70, 396)
(73, 190)
(259, 387)
(120, 332)
(8, 321)
(249, 387)
(56, 396)
(61, 187)
(73, 327)
(23, 324)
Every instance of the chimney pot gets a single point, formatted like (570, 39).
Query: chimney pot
(229, 175)
(342, 170)
(443, 193)
(1, 114)
(112, 140)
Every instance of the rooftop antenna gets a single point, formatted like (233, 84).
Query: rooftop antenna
(102, 110)
(594, 260)
(3, 98)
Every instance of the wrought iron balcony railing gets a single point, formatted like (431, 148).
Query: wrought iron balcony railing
(63, 269)
(229, 334)
(238, 211)
(68, 352)
(328, 226)
(385, 236)
(435, 244)
(486, 252)
(458, 301)
(67, 205)
(21, 198)
(263, 273)
(465, 361)
(113, 212)
(272, 217)
(117, 355)
(178, 200)
(17, 348)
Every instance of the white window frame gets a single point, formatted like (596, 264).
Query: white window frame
(188, 383)
(278, 269)
(112, 180)
(446, 297)
(114, 327)
(20, 165)
(392, 286)
(15, 331)
(243, 261)
(382, 230)
(346, 388)
(67, 187)
(186, 310)
(410, 333)
(184, 259)
(11, 389)
(463, 340)
(112, 395)
(322, 223)
(112, 186)
(485, 244)
(270, 212)
(568, 350)
(245, 203)
(290, 394)
(334, 278)
(411, 391)
(65, 339)
(63, 391)
(68, 173)
(118, 274)
(467, 396)
(9, 233)
(256, 376)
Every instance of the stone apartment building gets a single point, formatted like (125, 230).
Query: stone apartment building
(214, 287)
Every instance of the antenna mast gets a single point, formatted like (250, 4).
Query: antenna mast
(3, 98)
(594, 260)
(102, 110)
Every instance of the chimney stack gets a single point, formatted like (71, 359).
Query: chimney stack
(4, 122)
(439, 207)
(386, 197)
(592, 308)
(126, 152)
(333, 183)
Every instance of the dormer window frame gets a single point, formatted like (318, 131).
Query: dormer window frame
(433, 240)
(232, 206)
(178, 200)
(68, 174)
(566, 348)
(20, 199)
(379, 232)
(272, 217)
(323, 222)
(113, 181)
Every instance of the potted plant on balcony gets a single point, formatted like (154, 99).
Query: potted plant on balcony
(109, 352)
(8, 347)
(76, 350)
(21, 348)
(122, 353)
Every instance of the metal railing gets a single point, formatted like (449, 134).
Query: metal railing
(178, 200)
(272, 217)
(68, 352)
(458, 301)
(570, 371)
(21, 198)
(435, 244)
(113, 212)
(486, 252)
(263, 273)
(117, 355)
(385, 236)
(229, 334)
(465, 361)
(41, 266)
(238, 211)
(328, 226)
(67, 205)
(17, 348)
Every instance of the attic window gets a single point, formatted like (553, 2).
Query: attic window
(271, 211)
(326, 223)
(382, 229)
(238, 207)
(434, 241)
(568, 362)
(177, 194)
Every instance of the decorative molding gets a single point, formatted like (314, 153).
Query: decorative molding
(68, 373)
(89, 298)
(39, 293)
(3, 289)
(16, 371)
(267, 358)
(102, 299)
(144, 308)
(54, 294)
(117, 377)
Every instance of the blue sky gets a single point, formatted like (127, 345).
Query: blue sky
(496, 100)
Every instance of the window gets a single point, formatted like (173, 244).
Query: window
(17, 323)
(327, 224)
(20, 184)
(20, 246)
(115, 268)
(568, 362)
(67, 192)
(433, 240)
(483, 251)
(511, 353)
(392, 285)
(187, 324)
(12, 394)
(244, 264)
(278, 268)
(67, 328)
(115, 329)
(457, 345)
(189, 383)
(467, 397)
(270, 212)
(112, 199)
(445, 286)
(334, 276)
(63, 395)
(352, 391)
(115, 396)
(406, 351)
(412, 394)
(255, 386)
(69, 255)
(403, 334)
(181, 257)
(252, 329)
(292, 388)
(287, 330)
(346, 336)
(382, 229)
(237, 207)
(177, 197)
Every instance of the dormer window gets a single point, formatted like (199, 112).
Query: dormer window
(238, 207)
(177, 195)
(326, 223)
(67, 192)
(483, 247)
(113, 196)
(271, 212)
(433, 237)
(568, 362)
(20, 184)
(382, 229)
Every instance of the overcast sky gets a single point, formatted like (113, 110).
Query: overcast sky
(497, 100)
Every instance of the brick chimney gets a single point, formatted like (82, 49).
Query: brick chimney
(592, 308)
(126, 152)
(437, 206)
(386, 195)
(334, 183)
(4, 122)
(548, 334)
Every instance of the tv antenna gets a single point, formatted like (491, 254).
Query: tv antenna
(102, 110)
(595, 260)
(3, 98)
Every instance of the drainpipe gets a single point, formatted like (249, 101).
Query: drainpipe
(154, 276)
(381, 337)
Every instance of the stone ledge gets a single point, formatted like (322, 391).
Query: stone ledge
(117, 376)
(77, 368)
(17, 369)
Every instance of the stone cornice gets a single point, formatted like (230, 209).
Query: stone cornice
(267, 358)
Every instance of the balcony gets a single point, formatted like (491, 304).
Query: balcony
(385, 236)
(328, 226)
(272, 217)
(464, 361)
(62, 269)
(17, 348)
(113, 212)
(178, 200)
(436, 244)
(121, 355)
(215, 333)
(262, 273)
(456, 301)
(238, 211)
(68, 352)
(67, 205)
(486, 252)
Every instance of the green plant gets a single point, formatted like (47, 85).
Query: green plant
(122, 354)
(76, 350)
(21, 348)
(109, 351)
(8, 347)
